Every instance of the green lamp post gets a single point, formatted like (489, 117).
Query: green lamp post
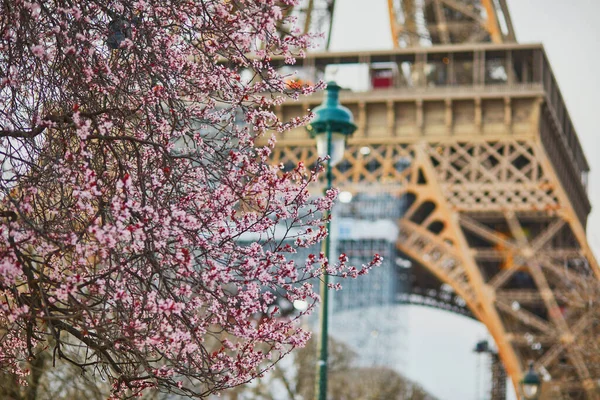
(332, 124)
(530, 385)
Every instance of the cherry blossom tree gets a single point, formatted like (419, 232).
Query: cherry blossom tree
(131, 182)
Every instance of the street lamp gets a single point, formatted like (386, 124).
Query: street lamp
(530, 385)
(330, 127)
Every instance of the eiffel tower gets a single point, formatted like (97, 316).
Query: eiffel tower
(468, 129)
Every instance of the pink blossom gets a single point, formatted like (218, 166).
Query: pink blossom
(39, 51)
(147, 214)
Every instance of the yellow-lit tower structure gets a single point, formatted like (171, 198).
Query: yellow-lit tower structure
(468, 129)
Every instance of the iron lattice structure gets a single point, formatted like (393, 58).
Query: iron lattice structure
(476, 142)
(468, 130)
(431, 22)
(422, 22)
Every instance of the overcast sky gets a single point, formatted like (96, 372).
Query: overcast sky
(439, 344)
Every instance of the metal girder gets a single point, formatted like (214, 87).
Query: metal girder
(533, 296)
(434, 302)
(510, 35)
(527, 318)
(493, 27)
(315, 16)
(442, 24)
(466, 10)
(403, 25)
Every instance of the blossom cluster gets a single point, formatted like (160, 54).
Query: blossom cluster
(132, 170)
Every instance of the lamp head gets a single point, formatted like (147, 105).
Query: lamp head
(331, 117)
(531, 384)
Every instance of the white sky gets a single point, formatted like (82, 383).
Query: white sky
(440, 344)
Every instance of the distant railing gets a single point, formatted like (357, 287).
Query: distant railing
(568, 171)
(434, 91)
(435, 301)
